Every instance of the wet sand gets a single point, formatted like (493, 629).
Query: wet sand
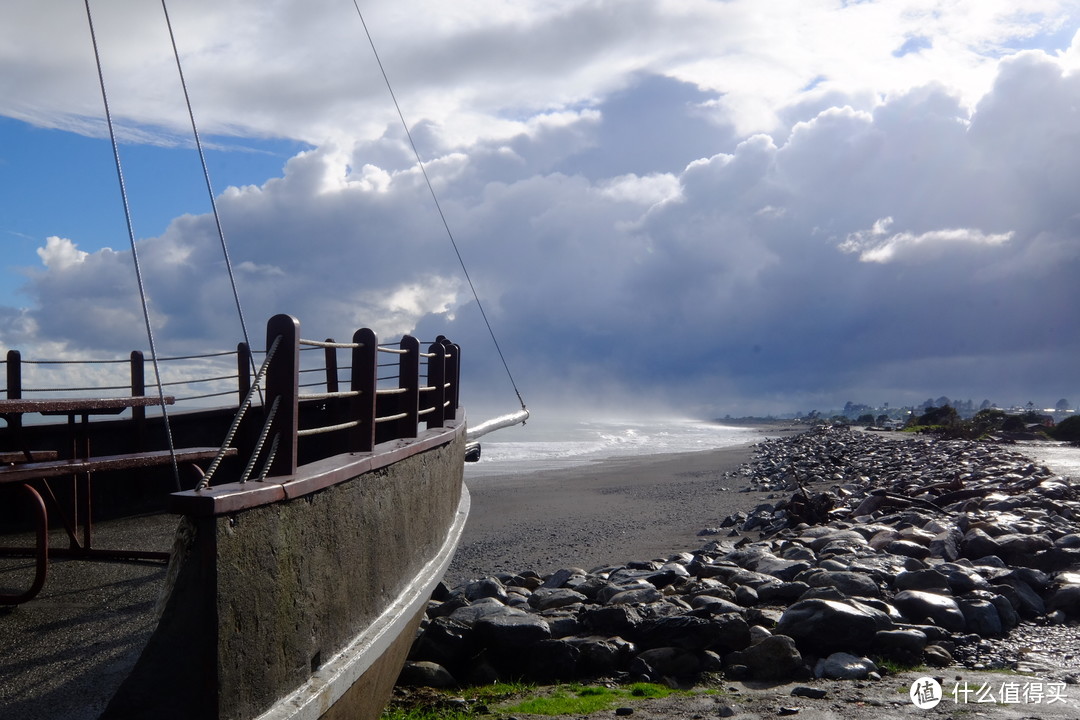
(610, 512)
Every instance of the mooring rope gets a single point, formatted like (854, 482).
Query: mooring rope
(209, 185)
(438, 207)
(134, 250)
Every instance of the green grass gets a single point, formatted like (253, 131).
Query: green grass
(511, 698)
(425, 713)
(893, 667)
(582, 700)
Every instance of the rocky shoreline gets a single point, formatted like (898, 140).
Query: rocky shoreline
(873, 552)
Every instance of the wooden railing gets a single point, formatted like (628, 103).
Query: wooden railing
(330, 397)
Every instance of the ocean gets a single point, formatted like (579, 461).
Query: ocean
(554, 444)
(1061, 458)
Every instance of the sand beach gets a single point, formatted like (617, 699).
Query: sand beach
(609, 512)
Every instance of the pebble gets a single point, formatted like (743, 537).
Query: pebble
(916, 550)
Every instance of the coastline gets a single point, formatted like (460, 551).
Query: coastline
(659, 490)
(604, 513)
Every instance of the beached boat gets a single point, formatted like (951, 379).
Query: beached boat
(309, 540)
(306, 554)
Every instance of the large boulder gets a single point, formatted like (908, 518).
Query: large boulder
(774, 658)
(511, 632)
(825, 626)
(844, 666)
(917, 605)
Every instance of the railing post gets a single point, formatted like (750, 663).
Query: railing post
(330, 354)
(436, 378)
(409, 379)
(14, 388)
(453, 375)
(365, 373)
(14, 375)
(243, 371)
(283, 386)
(138, 388)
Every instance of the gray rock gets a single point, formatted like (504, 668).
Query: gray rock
(553, 661)
(809, 692)
(1027, 602)
(929, 579)
(761, 560)
(775, 658)
(511, 632)
(544, 598)
(746, 596)
(727, 632)
(444, 641)
(907, 548)
(901, 645)
(1065, 598)
(658, 663)
(851, 584)
(715, 605)
(830, 626)
(781, 592)
(635, 596)
(946, 544)
(559, 578)
(469, 614)
(981, 616)
(602, 656)
(1006, 612)
(937, 656)
(426, 674)
(485, 588)
(612, 620)
(918, 606)
(844, 666)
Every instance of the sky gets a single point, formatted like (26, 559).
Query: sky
(716, 207)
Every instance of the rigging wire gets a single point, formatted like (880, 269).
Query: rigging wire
(209, 185)
(438, 207)
(134, 250)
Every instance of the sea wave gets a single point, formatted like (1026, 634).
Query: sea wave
(551, 445)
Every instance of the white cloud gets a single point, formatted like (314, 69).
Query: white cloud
(880, 246)
(60, 253)
(625, 229)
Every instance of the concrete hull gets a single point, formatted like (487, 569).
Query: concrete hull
(300, 598)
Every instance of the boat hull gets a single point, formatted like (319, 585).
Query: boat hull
(300, 598)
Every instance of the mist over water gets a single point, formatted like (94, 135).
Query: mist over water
(555, 444)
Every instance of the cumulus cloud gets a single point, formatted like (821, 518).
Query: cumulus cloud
(880, 246)
(60, 253)
(683, 201)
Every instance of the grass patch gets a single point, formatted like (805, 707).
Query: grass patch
(521, 698)
(425, 713)
(582, 700)
(892, 667)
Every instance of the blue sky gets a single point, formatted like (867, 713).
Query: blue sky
(749, 206)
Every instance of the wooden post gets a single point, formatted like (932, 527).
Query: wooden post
(283, 385)
(14, 389)
(409, 379)
(14, 375)
(330, 354)
(243, 372)
(138, 387)
(436, 378)
(453, 376)
(365, 373)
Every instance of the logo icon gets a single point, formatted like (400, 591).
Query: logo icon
(925, 693)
